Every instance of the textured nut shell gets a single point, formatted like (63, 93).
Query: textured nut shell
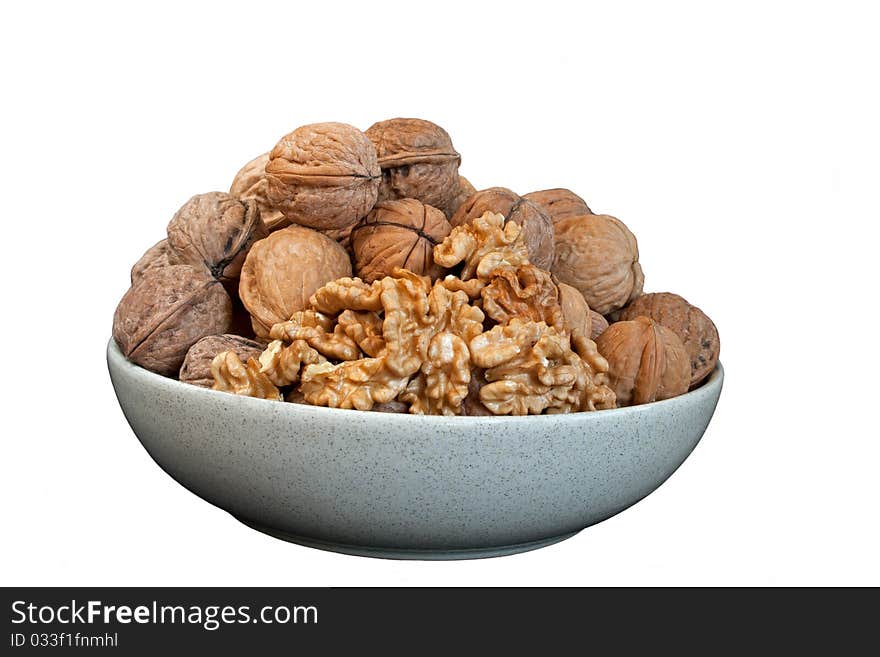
(196, 368)
(216, 231)
(598, 324)
(536, 225)
(324, 176)
(646, 361)
(598, 255)
(465, 191)
(417, 161)
(575, 310)
(250, 183)
(692, 325)
(165, 312)
(401, 234)
(156, 256)
(282, 271)
(559, 203)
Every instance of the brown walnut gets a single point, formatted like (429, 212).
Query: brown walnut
(692, 325)
(215, 231)
(417, 161)
(598, 255)
(155, 256)
(465, 191)
(323, 176)
(250, 183)
(196, 368)
(283, 270)
(575, 310)
(165, 312)
(559, 203)
(598, 324)
(646, 361)
(399, 233)
(536, 225)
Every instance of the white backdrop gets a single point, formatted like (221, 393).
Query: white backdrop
(740, 145)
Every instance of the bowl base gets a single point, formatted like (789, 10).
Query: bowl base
(450, 554)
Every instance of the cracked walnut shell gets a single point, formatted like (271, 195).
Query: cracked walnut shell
(324, 175)
(417, 161)
(283, 270)
(598, 255)
(250, 183)
(692, 325)
(401, 234)
(646, 361)
(535, 224)
(165, 312)
(215, 231)
(196, 368)
(559, 203)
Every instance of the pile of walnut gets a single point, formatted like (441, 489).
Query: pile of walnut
(360, 270)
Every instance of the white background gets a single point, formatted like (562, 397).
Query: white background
(740, 144)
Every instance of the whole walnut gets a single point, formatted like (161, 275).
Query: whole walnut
(417, 161)
(575, 310)
(465, 191)
(598, 324)
(324, 176)
(155, 256)
(536, 225)
(282, 271)
(216, 231)
(646, 361)
(250, 183)
(692, 325)
(559, 203)
(399, 233)
(196, 368)
(165, 312)
(598, 255)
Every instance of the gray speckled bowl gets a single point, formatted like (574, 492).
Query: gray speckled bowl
(404, 486)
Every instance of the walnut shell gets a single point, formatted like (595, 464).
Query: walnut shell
(216, 231)
(465, 191)
(196, 368)
(692, 325)
(575, 310)
(536, 225)
(282, 271)
(401, 234)
(155, 256)
(324, 175)
(646, 361)
(417, 161)
(598, 324)
(165, 312)
(559, 203)
(598, 255)
(250, 183)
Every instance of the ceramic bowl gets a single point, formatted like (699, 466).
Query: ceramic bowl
(406, 486)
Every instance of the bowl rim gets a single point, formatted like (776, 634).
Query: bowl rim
(709, 387)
